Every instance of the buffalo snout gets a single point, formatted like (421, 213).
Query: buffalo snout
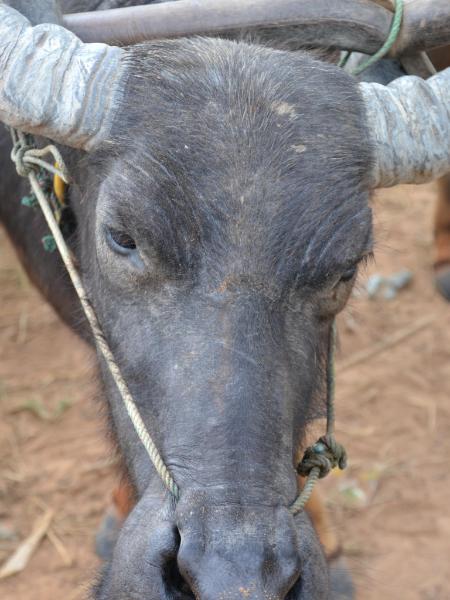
(234, 559)
(239, 552)
(211, 550)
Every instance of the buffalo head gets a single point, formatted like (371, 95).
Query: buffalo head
(222, 197)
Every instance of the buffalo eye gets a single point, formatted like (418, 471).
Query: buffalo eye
(120, 241)
(348, 275)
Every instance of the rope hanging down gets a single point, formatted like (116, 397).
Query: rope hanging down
(26, 157)
(326, 453)
(318, 460)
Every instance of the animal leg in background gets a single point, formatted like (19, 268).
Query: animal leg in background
(442, 238)
(123, 501)
(322, 521)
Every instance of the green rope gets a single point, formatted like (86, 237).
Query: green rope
(386, 47)
(45, 180)
(326, 453)
(30, 201)
(48, 241)
(344, 59)
(331, 379)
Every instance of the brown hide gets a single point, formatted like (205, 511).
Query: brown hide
(441, 60)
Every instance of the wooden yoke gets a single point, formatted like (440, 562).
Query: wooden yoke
(355, 25)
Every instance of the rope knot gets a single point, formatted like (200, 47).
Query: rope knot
(28, 158)
(324, 455)
(18, 156)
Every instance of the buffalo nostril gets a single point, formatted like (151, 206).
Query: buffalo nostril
(285, 570)
(288, 575)
(176, 586)
(295, 590)
(237, 551)
(219, 574)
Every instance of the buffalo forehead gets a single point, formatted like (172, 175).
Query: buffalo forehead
(263, 149)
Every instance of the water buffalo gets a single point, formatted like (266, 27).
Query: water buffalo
(221, 197)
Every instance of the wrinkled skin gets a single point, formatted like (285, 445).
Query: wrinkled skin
(218, 235)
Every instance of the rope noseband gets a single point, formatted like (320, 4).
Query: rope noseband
(318, 460)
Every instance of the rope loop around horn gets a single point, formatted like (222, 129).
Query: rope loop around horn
(18, 153)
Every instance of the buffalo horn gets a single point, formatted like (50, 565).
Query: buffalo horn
(409, 121)
(55, 86)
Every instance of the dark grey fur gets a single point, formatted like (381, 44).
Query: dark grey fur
(240, 172)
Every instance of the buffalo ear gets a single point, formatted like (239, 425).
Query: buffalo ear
(409, 121)
(54, 85)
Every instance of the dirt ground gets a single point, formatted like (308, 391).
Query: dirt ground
(391, 507)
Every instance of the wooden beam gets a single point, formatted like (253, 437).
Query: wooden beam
(358, 25)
